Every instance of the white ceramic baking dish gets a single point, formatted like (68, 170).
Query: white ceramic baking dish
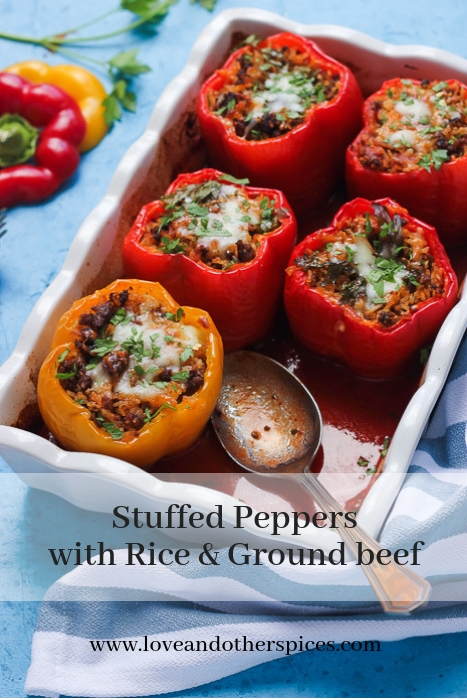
(171, 144)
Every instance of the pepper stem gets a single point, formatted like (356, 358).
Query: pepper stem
(18, 140)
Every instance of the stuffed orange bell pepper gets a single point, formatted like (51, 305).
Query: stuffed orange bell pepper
(80, 84)
(131, 374)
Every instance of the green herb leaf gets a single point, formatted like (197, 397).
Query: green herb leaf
(112, 109)
(67, 375)
(383, 452)
(171, 245)
(103, 345)
(118, 317)
(93, 363)
(150, 416)
(181, 376)
(235, 180)
(195, 210)
(207, 4)
(127, 64)
(174, 317)
(439, 86)
(439, 157)
(115, 432)
(62, 355)
(149, 10)
(186, 354)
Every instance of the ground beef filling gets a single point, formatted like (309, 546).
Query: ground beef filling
(415, 125)
(131, 359)
(216, 223)
(269, 91)
(377, 264)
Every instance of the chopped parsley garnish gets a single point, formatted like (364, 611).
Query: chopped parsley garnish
(435, 159)
(114, 431)
(150, 416)
(93, 362)
(120, 316)
(171, 245)
(439, 86)
(186, 354)
(155, 349)
(62, 355)
(174, 317)
(161, 385)
(195, 210)
(383, 452)
(235, 180)
(67, 375)
(181, 376)
(135, 345)
(102, 346)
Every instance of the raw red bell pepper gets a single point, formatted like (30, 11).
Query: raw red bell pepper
(413, 148)
(305, 159)
(240, 287)
(371, 289)
(26, 108)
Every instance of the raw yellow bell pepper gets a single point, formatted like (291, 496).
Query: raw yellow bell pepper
(105, 387)
(78, 82)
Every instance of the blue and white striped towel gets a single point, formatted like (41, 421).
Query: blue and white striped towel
(432, 506)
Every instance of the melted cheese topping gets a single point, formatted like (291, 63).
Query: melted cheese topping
(153, 344)
(415, 125)
(231, 221)
(415, 110)
(363, 257)
(281, 93)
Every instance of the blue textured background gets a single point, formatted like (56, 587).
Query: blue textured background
(32, 253)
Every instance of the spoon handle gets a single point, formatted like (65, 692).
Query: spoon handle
(399, 589)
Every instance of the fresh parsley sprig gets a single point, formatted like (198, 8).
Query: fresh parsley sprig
(122, 67)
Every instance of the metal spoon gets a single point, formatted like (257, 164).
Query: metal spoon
(268, 422)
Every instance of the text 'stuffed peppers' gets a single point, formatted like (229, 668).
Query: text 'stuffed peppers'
(281, 112)
(413, 148)
(80, 84)
(371, 290)
(215, 243)
(131, 374)
(40, 121)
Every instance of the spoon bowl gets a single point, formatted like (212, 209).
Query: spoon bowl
(265, 418)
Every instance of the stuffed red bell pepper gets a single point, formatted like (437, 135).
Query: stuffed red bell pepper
(215, 243)
(282, 114)
(413, 148)
(371, 289)
(39, 122)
